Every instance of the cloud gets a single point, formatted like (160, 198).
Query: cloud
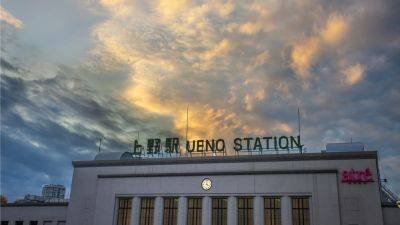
(263, 21)
(304, 55)
(220, 50)
(170, 9)
(251, 28)
(232, 64)
(10, 19)
(305, 52)
(4, 64)
(242, 68)
(225, 9)
(391, 162)
(354, 74)
(335, 29)
(59, 119)
(390, 165)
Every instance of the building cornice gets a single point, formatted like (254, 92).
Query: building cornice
(230, 159)
(35, 204)
(217, 173)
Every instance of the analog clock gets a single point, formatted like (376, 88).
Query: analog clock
(206, 184)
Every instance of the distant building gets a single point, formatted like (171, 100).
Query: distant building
(50, 193)
(53, 192)
(30, 199)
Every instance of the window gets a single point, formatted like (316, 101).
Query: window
(272, 211)
(219, 211)
(245, 211)
(124, 211)
(33, 223)
(194, 211)
(4, 222)
(301, 211)
(19, 222)
(170, 211)
(146, 211)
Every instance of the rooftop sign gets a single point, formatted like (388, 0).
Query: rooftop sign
(156, 146)
(357, 176)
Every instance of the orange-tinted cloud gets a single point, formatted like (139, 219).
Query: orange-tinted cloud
(354, 74)
(335, 29)
(10, 19)
(304, 55)
(305, 52)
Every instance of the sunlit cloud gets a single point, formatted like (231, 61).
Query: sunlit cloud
(354, 74)
(170, 9)
(304, 56)
(10, 19)
(203, 56)
(335, 29)
(242, 68)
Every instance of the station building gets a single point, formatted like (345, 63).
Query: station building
(327, 188)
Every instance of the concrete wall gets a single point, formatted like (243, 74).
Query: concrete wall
(95, 188)
(391, 215)
(54, 214)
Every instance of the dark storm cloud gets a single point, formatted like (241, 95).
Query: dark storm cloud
(8, 66)
(47, 123)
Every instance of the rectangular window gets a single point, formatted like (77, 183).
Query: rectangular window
(219, 211)
(170, 211)
(124, 211)
(19, 222)
(194, 211)
(272, 211)
(4, 222)
(146, 211)
(33, 222)
(245, 211)
(301, 211)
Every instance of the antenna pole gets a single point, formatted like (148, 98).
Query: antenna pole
(100, 144)
(298, 118)
(187, 123)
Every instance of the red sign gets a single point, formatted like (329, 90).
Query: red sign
(357, 176)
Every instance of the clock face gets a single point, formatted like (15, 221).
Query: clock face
(206, 184)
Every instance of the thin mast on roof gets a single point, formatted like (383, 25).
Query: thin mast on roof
(100, 139)
(187, 122)
(298, 119)
(299, 123)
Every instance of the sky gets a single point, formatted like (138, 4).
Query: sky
(73, 71)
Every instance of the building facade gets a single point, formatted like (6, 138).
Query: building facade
(289, 189)
(34, 214)
(53, 191)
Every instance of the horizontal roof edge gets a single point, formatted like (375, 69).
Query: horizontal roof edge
(35, 204)
(229, 159)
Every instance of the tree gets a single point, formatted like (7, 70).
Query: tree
(3, 200)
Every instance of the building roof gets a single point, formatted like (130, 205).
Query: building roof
(113, 156)
(26, 204)
(226, 159)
